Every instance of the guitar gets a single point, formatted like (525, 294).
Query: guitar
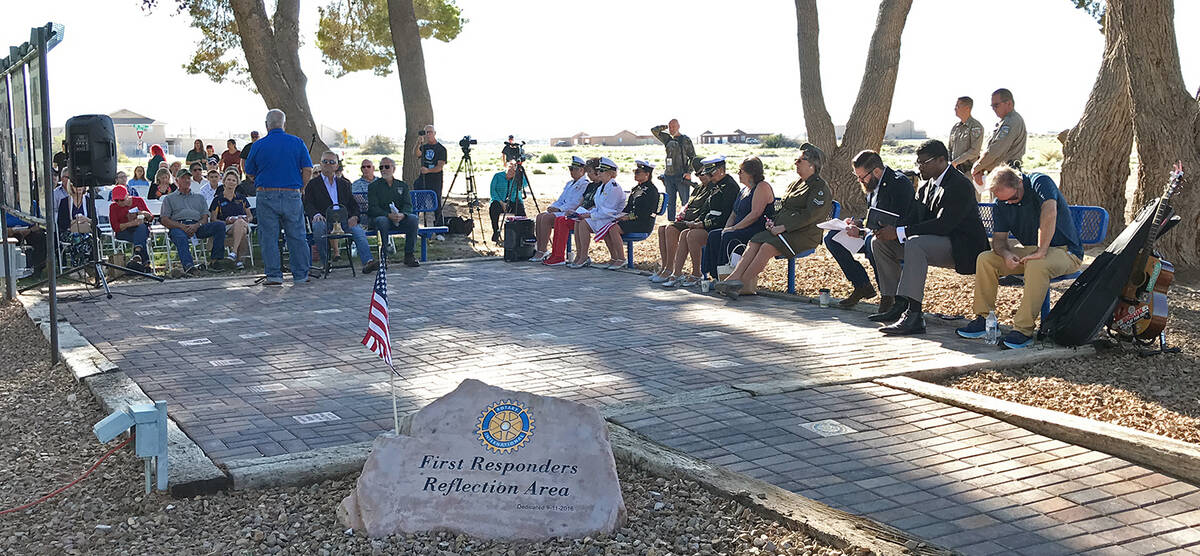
(1141, 312)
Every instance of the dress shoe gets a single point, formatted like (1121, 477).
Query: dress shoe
(864, 291)
(371, 266)
(911, 322)
(411, 261)
(890, 309)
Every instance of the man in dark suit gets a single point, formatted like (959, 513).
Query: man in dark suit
(943, 229)
(326, 191)
(886, 190)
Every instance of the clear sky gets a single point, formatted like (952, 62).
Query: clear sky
(542, 68)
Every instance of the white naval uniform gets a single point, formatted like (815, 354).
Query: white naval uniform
(572, 195)
(610, 201)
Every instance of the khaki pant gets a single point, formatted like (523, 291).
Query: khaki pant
(990, 267)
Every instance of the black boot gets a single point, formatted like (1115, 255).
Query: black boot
(890, 309)
(410, 260)
(911, 322)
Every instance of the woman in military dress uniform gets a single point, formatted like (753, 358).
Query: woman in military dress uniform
(638, 215)
(794, 229)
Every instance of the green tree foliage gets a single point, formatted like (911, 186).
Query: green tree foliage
(780, 141)
(1094, 8)
(548, 158)
(379, 144)
(218, 54)
(355, 35)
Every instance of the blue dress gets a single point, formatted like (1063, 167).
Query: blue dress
(720, 242)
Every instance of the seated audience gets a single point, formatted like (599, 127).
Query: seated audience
(886, 190)
(157, 159)
(175, 167)
(130, 220)
(121, 179)
(232, 208)
(74, 226)
(507, 196)
(33, 237)
(197, 153)
(1032, 209)
(568, 200)
(185, 215)
(608, 201)
(390, 208)
(755, 204)
(942, 229)
(139, 179)
(722, 192)
(639, 213)
(564, 225)
(210, 186)
(793, 230)
(326, 191)
(362, 185)
(231, 157)
(211, 156)
(162, 184)
(689, 216)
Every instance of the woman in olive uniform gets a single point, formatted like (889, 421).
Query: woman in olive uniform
(794, 230)
(638, 215)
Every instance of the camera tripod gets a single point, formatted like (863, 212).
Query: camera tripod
(521, 180)
(474, 206)
(95, 264)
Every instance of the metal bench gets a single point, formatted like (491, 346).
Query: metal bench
(834, 212)
(423, 201)
(630, 238)
(1091, 222)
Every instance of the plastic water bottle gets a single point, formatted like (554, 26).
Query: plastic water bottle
(993, 329)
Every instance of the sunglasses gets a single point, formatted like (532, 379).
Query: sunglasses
(366, 166)
(926, 161)
(329, 162)
(385, 166)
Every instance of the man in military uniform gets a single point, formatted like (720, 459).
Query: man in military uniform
(680, 153)
(1007, 143)
(966, 137)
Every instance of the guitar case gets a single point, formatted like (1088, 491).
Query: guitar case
(1088, 305)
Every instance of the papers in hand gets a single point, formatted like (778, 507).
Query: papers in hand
(852, 244)
(833, 224)
(878, 218)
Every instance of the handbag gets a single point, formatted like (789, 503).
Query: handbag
(735, 255)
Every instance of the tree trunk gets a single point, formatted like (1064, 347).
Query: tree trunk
(1164, 117)
(1096, 151)
(272, 49)
(414, 87)
(868, 119)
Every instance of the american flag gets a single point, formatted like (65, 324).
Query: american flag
(379, 337)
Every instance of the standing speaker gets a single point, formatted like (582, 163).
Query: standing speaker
(519, 241)
(92, 147)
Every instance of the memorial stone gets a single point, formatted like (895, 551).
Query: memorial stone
(494, 464)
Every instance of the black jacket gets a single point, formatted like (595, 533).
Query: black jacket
(950, 210)
(894, 193)
(316, 197)
(720, 203)
(640, 206)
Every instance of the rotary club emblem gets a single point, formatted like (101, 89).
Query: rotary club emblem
(505, 426)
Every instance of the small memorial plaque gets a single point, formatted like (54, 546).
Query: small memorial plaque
(494, 464)
(196, 342)
(226, 362)
(254, 335)
(316, 418)
(327, 311)
(223, 321)
(264, 388)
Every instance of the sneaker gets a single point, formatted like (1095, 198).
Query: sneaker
(270, 282)
(240, 265)
(689, 281)
(974, 329)
(538, 256)
(439, 237)
(1016, 340)
(658, 278)
(671, 282)
(191, 272)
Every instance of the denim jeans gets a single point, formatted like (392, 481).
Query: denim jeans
(183, 242)
(282, 210)
(137, 235)
(320, 229)
(853, 269)
(675, 185)
(407, 226)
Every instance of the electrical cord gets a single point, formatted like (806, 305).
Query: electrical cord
(85, 475)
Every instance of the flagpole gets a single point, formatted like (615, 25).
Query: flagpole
(395, 412)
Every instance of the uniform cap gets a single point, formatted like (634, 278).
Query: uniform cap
(578, 161)
(813, 154)
(643, 165)
(712, 163)
(606, 164)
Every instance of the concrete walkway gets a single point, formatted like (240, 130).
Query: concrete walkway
(251, 372)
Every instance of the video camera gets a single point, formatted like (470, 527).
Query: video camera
(520, 157)
(466, 142)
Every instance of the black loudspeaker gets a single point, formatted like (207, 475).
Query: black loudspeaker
(92, 147)
(519, 241)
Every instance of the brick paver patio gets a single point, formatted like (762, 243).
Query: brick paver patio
(250, 372)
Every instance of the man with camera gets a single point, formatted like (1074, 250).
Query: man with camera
(325, 192)
(433, 160)
(508, 196)
(569, 200)
(680, 153)
(511, 151)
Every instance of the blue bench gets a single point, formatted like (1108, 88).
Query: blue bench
(423, 201)
(834, 212)
(1091, 222)
(630, 238)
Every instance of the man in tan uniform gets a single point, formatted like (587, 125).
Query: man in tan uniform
(966, 137)
(1007, 143)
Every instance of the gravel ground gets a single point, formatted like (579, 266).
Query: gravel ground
(1154, 394)
(47, 442)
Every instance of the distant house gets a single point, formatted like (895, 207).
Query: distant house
(736, 136)
(126, 124)
(623, 138)
(895, 130)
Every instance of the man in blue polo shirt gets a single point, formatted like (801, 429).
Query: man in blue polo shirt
(1033, 209)
(281, 165)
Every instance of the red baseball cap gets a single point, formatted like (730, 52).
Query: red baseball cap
(119, 193)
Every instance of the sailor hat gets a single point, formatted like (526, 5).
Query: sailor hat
(606, 165)
(712, 163)
(578, 161)
(643, 165)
